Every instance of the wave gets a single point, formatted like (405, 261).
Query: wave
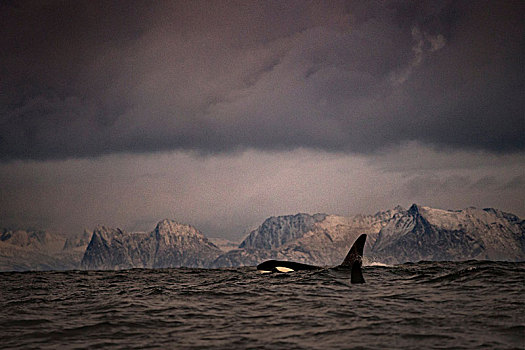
(446, 305)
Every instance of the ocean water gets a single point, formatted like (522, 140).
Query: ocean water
(428, 305)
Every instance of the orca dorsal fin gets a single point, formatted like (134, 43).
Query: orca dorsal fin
(354, 260)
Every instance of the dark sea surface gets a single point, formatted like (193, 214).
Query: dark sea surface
(428, 305)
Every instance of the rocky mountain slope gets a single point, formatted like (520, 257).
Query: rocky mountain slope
(277, 231)
(22, 250)
(394, 236)
(170, 244)
(423, 233)
(224, 244)
(318, 239)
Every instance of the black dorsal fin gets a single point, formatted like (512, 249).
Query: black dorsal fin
(354, 259)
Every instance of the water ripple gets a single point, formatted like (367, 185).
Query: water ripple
(441, 305)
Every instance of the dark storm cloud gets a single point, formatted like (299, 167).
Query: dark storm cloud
(81, 79)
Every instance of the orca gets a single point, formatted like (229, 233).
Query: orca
(353, 262)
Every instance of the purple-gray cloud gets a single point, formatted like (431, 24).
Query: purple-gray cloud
(87, 78)
(226, 195)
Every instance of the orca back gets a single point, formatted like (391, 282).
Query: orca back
(274, 265)
(352, 262)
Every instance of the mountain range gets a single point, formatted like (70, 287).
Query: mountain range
(394, 236)
(23, 250)
(170, 244)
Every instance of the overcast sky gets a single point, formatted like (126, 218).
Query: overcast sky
(222, 113)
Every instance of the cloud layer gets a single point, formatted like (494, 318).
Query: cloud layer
(87, 78)
(226, 195)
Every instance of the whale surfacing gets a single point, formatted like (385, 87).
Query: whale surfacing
(353, 262)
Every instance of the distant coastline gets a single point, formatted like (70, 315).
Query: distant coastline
(394, 236)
